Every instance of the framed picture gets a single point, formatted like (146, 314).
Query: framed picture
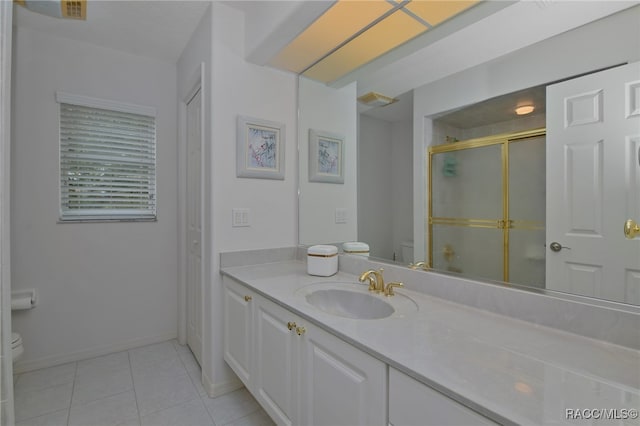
(259, 148)
(326, 157)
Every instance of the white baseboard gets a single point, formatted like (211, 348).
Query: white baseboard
(217, 389)
(50, 361)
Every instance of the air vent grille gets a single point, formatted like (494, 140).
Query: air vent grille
(74, 9)
(376, 99)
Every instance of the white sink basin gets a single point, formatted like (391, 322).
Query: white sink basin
(347, 303)
(349, 300)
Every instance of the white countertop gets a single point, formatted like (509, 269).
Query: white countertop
(507, 369)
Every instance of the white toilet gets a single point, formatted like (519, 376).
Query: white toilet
(406, 251)
(16, 346)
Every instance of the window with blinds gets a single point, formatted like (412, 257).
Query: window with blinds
(107, 160)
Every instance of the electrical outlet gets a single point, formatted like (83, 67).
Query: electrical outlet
(240, 217)
(341, 215)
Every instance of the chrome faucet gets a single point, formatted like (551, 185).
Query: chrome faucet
(376, 280)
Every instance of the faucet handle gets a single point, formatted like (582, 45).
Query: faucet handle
(419, 265)
(389, 290)
(379, 288)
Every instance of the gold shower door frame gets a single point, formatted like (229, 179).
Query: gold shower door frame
(505, 223)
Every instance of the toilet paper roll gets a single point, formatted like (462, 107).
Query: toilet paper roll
(19, 303)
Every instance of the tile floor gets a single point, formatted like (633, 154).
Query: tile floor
(155, 385)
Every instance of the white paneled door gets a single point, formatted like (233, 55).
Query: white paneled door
(194, 226)
(593, 184)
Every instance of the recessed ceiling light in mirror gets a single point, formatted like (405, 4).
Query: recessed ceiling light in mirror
(524, 109)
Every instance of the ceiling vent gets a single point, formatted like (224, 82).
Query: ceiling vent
(74, 9)
(66, 9)
(374, 99)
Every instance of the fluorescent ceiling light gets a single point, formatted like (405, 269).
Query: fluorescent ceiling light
(341, 22)
(377, 40)
(436, 12)
(352, 33)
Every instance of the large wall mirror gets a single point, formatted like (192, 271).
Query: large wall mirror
(452, 176)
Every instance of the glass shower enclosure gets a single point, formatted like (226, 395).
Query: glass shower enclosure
(486, 207)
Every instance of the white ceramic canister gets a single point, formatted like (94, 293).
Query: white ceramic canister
(356, 247)
(322, 260)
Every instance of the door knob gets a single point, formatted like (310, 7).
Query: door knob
(631, 229)
(556, 247)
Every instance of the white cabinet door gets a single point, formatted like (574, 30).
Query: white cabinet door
(341, 385)
(276, 361)
(238, 324)
(412, 403)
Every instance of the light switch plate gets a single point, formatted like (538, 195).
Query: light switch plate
(240, 217)
(341, 215)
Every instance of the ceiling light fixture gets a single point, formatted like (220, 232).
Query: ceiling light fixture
(374, 99)
(524, 109)
(351, 34)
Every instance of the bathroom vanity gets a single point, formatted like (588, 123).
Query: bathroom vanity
(430, 361)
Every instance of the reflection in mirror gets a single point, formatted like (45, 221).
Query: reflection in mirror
(486, 197)
(471, 105)
(487, 202)
(327, 209)
(385, 180)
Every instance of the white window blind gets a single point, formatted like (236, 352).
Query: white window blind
(107, 160)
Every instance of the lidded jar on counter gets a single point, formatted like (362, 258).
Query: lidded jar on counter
(322, 260)
(356, 247)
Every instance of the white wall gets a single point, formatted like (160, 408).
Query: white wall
(375, 208)
(334, 111)
(6, 361)
(235, 87)
(401, 173)
(241, 88)
(101, 286)
(385, 186)
(197, 52)
(609, 41)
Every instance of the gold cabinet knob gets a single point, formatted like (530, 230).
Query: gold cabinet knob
(631, 229)
(301, 330)
(247, 298)
(291, 325)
